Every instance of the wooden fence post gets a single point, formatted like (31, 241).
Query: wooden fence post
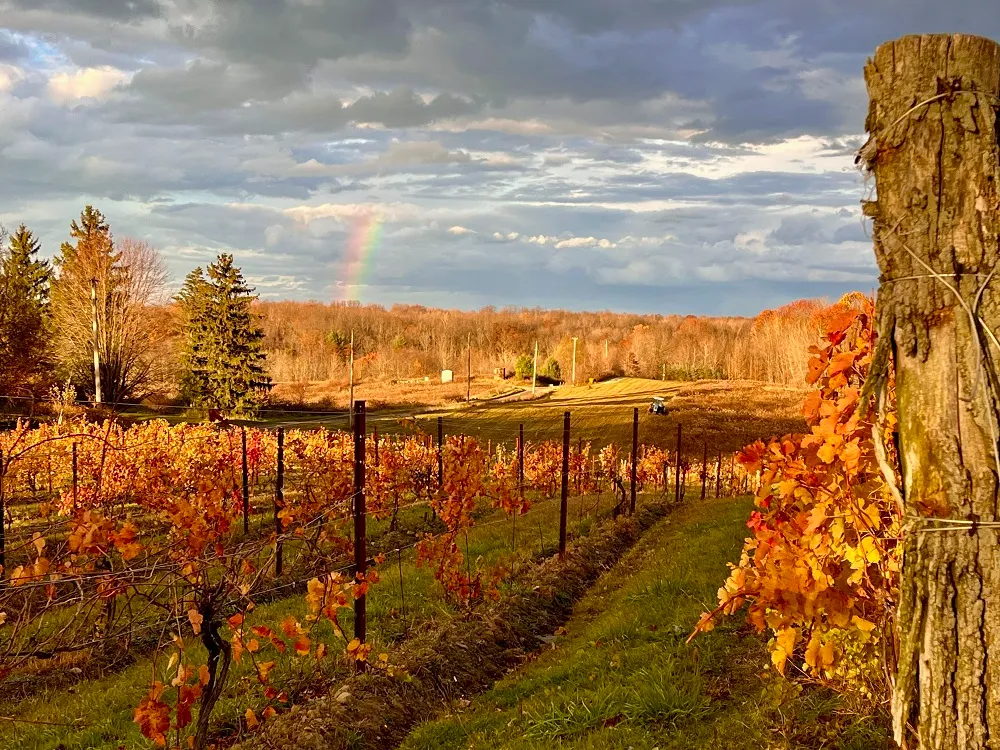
(704, 471)
(732, 475)
(246, 480)
(75, 477)
(635, 457)
(718, 477)
(440, 451)
(3, 520)
(360, 520)
(677, 478)
(564, 502)
(279, 501)
(520, 460)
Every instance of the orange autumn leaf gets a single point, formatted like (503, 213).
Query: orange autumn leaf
(153, 715)
(290, 627)
(264, 670)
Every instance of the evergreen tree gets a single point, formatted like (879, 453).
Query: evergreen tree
(24, 303)
(93, 242)
(193, 300)
(524, 366)
(223, 359)
(552, 370)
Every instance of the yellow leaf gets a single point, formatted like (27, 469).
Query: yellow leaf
(827, 453)
(812, 655)
(784, 647)
(862, 624)
(251, 718)
(826, 655)
(264, 669)
(870, 550)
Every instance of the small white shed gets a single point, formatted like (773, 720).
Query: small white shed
(447, 376)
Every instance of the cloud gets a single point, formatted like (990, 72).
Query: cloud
(10, 75)
(345, 213)
(654, 148)
(87, 83)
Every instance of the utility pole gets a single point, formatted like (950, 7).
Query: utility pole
(663, 371)
(351, 386)
(534, 370)
(97, 356)
(573, 381)
(468, 387)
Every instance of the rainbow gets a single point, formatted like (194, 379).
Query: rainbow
(365, 236)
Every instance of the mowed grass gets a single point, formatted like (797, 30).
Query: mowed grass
(623, 677)
(722, 416)
(97, 713)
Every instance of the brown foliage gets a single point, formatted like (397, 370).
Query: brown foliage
(407, 341)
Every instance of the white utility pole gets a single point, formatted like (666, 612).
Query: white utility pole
(573, 382)
(351, 381)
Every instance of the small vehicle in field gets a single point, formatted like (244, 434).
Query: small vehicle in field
(659, 405)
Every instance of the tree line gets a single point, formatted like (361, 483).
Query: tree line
(309, 342)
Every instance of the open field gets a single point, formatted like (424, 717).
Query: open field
(621, 676)
(412, 393)
(727, 415)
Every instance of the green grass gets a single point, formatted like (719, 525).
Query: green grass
(97, 713)
(623, 676)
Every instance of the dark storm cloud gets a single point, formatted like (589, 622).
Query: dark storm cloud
(227, 98)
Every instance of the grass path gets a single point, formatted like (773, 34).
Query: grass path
(623, 677)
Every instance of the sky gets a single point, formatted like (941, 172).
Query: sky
(662, 156)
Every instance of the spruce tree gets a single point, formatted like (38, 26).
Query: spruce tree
(24, 300)
(223, 360)
(193, 300)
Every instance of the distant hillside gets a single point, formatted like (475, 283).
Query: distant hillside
(309, 341)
